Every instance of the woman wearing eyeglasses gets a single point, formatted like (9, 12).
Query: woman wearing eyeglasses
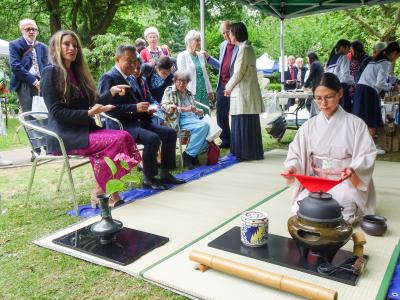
(335, 144)
(180, 109)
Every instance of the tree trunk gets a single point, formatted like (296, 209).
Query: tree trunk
(53, 6)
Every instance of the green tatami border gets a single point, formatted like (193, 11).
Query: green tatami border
(141, 273)
(387, 278)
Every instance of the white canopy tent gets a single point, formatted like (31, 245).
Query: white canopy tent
(4, 48)
(266, 64)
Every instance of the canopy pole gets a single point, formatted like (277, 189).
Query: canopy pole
(203, 40)
(282, 46)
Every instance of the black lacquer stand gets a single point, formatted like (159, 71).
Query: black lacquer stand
(128, 246)
(283, 251)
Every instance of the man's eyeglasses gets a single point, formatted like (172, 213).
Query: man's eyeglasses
(225, 32)
(328, 98)
(30, 29)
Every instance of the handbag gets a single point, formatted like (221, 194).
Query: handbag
(39, 106)
(214, 131)
(212, 154)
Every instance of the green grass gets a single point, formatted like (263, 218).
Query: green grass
(13, 140)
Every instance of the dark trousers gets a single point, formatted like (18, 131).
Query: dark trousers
(25, 93)
(151, 136)
(288, 87)
(223, 105)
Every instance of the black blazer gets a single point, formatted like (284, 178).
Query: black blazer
(316, 72)
(125, 106)
(20, 64)
(70, 122)
(286, 75)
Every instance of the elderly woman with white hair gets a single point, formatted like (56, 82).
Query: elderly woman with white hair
(181, 113)
(194, 62)
(153, 52)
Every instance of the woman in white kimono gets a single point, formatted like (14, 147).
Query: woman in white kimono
(335, 144)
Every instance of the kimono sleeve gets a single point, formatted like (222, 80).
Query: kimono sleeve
(364, 154)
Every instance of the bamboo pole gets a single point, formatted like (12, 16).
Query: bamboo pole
(277, 281)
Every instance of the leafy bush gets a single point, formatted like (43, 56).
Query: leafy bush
(101, 58)
(275, 77)
(12, 102)
(275, 87)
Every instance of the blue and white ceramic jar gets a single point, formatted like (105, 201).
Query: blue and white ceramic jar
(254, 228)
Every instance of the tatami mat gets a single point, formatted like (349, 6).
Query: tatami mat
(187, 212)
(177, 273)
(193, 214)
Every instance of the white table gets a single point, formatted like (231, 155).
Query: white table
(284, 95)
(292, 117)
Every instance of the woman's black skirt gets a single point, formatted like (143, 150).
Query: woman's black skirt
(345, 101)
(367, 106)
(246, 140)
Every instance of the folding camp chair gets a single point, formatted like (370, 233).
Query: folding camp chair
(37, 131)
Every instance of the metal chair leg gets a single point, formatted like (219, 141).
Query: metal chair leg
(33, 171)
(71, 181)
(61, 177)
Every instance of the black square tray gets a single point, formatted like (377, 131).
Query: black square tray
(283, 251)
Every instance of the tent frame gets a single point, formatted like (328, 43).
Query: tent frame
(278, 8)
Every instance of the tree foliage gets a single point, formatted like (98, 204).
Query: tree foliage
(102, 24)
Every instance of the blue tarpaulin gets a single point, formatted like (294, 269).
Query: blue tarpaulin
(394, 289)
(86, 211)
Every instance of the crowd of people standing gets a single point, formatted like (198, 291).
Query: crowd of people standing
(364, 78)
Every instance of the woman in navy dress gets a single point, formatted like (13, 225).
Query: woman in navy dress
(374, 80)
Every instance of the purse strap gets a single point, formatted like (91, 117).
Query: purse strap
(28, 50)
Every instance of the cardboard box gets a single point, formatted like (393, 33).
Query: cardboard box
(389, 138)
